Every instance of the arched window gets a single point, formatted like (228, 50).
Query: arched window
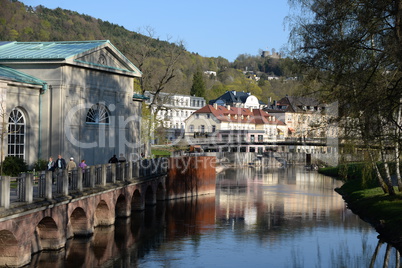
(98, 114)
(16, 133)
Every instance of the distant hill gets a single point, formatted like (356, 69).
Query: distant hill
(19, 22)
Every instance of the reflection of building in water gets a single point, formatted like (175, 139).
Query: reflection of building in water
(272, 197)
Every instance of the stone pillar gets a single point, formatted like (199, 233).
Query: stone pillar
(80, 174)
(92, 176)
(123, 171)
(48, 185)
(113, 171)
(136, 169)
(103, 174)
(64, 186)
(130, 171)
(5, 192)
(28, 188)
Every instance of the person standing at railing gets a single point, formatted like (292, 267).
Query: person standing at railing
(83, 165)
(51, 166)
(60, 165)
(113, 159)
(122, 159)
(70, 167)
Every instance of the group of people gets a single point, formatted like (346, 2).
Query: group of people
(114, 159)
(60, 164)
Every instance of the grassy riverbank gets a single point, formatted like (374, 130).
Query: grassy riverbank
(365, 199)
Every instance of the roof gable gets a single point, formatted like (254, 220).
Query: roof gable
(94, 54)
(11, 74)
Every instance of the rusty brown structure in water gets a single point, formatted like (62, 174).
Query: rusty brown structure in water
(191, 176)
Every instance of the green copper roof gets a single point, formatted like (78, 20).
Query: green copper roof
(140, 96)
(8, 73)
(45, 50)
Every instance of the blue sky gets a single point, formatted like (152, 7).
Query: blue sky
(224, 28)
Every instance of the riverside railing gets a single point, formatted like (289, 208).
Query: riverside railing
(28, 188)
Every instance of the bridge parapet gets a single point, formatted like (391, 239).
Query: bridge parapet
(48, 185)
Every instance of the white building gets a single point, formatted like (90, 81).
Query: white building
(235, 129)
(172, 111)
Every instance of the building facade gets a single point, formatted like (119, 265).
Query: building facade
(172, 110)
(69, 98)
(305, 117)
(234, 129)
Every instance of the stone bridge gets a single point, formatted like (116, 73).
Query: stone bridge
(47, 223)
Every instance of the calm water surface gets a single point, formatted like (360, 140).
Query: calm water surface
(259, 217)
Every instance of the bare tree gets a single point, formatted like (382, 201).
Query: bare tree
(159, 67)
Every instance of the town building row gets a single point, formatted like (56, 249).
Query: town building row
(239, 122)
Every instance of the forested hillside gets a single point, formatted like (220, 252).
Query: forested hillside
(157, 59)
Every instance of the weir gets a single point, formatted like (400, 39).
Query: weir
(41, 215)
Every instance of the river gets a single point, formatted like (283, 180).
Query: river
(259, 217)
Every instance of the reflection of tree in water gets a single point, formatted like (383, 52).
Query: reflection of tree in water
(388, 252)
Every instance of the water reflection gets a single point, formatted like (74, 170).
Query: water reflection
(260, 217)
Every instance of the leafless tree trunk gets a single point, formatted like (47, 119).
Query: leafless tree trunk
(377, 172)
(397, 151)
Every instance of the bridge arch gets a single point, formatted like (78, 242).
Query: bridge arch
(79, 223)
(160, 192)
(136, 201)
(48, 235)
(150, 199)
(103, 215)
(9, 249)
(121, 207)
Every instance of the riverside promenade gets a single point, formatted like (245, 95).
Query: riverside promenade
(37, 214)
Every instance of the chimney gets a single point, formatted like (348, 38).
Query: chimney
(269, 101)
(251, 109)
(228, 107)
(215, 106)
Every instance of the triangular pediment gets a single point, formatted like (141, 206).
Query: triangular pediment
(107, 57)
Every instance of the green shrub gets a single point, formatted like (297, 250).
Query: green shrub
(40, 165)
(12, 166)
(361, 173)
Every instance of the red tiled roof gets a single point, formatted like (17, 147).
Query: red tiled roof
(256, 116)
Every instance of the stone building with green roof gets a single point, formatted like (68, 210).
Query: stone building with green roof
(74, 98)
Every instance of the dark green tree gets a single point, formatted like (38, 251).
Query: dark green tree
(198, 87)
